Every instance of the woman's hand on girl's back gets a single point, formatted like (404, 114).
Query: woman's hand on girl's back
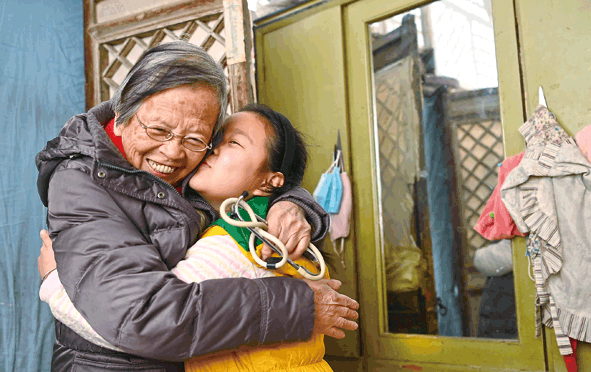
(333, 311)
(288, 223)
(46, 260)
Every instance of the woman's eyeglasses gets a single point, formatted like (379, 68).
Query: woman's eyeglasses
(163, 134)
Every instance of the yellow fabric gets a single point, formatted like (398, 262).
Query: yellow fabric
(304, 356)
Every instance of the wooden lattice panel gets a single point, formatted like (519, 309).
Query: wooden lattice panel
(398, 128)
(476, 116)
(118, 57)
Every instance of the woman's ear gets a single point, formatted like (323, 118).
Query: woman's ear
(274, 180)
(117, 129)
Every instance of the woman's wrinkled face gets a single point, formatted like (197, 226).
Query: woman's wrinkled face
(186, 111)
(238, 163)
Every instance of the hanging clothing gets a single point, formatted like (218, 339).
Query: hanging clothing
(340, 223)
(496, 316)
(571, 360)
(549, 196)
(440, 198)
(495, 259)
(583, 138)
(495, 222)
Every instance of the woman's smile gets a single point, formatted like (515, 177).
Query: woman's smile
(183, 111)
(161, 168)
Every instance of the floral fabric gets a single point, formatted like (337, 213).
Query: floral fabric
(549, 196)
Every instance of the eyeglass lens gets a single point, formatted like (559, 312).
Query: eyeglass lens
(164, 134)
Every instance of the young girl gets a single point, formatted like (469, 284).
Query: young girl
(260, 153)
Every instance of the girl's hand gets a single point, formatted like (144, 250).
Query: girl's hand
(288, 223)
(46, 260)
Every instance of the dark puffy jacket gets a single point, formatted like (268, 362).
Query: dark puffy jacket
(117, 231)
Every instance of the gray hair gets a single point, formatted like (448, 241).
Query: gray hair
(167, 66)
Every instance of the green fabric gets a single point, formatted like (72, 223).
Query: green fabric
(259, 206)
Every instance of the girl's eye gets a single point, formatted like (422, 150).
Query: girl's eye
(234, 142)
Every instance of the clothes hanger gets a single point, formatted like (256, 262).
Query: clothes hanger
(541, 97)
(338, 150)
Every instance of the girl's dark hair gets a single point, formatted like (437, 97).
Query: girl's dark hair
(286, 149)
(286, 154)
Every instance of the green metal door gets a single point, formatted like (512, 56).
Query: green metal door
(315, 65)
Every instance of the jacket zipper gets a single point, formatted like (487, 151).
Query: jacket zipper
(166, 184)
(192, 212)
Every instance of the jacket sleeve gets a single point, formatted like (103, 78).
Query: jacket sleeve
(315, 214)
(119, 283)
(53, 293)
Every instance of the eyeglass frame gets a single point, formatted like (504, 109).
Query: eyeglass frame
(171, 135)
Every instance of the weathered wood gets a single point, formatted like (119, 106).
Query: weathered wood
(88, 56)
(109, 23)
(238, 52)
(120, 59)
(240, 93)
(213, 32)
(476, 116)
(111, 10)
(457, 216)
(395, 45)
(153, 19)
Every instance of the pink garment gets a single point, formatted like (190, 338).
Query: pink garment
(495, 222)
(340, 223)
(583, 139)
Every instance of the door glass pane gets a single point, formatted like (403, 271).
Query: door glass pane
(439, 136)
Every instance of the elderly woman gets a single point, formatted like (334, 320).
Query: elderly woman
(121, 216)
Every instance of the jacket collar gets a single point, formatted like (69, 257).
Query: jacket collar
(105, 150)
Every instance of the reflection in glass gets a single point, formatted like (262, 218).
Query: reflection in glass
(439, 137)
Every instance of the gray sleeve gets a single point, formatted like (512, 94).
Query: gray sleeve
(119, 283)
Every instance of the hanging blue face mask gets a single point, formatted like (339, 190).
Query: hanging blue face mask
(329, 191)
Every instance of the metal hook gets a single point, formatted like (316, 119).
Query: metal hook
(541, 97)
(442, 308)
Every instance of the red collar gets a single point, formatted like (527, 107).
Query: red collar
(109, 128)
